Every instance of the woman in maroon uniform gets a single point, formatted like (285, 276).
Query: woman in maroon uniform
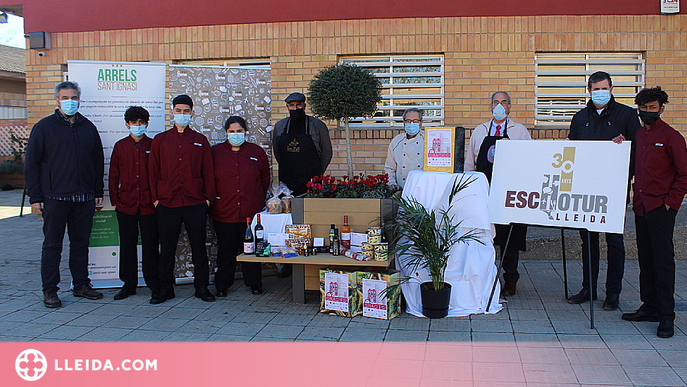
(242, 177)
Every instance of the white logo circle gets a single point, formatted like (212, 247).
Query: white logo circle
(31, 365)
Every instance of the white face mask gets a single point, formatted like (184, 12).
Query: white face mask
(138, 131)
(69, 106)
(236, 139)
(182, 120)
(412, 128)
(499, 112)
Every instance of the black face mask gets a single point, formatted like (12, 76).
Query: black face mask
(297, 115)
(649, 118)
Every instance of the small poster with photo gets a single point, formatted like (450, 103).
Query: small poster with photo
(670, 7)
(336, 291)
(439, 149)
(374, 302)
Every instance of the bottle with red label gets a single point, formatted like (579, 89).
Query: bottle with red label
(248, 240)
(346, 234)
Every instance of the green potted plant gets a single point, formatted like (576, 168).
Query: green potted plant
(344, 91)
(424, 238)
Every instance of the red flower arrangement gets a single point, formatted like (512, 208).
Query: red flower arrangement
(359, 186)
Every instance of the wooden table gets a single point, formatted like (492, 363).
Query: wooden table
(306, 270)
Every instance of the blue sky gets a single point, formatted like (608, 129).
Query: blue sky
(12, 32)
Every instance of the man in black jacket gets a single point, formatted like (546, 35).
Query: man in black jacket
(63, 171)
(603, 119)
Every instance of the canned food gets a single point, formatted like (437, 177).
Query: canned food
(374, 231)
(374, 239)
(368, 249)
(381, 252)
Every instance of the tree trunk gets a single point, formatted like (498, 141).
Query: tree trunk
(349, 158)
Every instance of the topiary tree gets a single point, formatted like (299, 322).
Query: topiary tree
(341, 92)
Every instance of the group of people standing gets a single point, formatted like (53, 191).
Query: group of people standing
(177, 177)
(658, 164)
(155, 185)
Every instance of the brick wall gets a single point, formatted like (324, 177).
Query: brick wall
(482, 54)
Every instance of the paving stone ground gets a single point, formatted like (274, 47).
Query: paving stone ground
(536, 340)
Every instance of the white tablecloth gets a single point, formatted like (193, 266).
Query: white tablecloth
(272, 222)
(471, 269)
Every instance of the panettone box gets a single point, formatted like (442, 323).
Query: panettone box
(338, 293)
(375, 300)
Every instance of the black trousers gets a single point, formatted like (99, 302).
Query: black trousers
(128, 250)
(616, 262)
(230, 243)
(77, 218)
(169, 220)
(517, 243)
(657, 262)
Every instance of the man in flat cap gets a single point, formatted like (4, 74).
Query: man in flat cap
(301, 145)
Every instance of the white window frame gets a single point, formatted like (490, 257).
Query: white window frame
(391, 61)
(549, 114)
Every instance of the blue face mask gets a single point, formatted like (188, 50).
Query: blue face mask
(138, 131)
(69, 106)
(412, 128)
(182, 120)
(499, 112)
(236, 139)
(601, 97)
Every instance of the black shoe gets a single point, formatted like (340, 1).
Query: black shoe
(256, 289)
(205, 295)
(665, 330)
(87, 291)
(124, 293)
(611, 302)
(582, 296)
(162, 296)
(640, 315)
(509, 289)
(221, 292)
(50, 299)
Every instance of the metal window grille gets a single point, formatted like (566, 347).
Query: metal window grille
(407, 81)
(13, 113)
(561, 82)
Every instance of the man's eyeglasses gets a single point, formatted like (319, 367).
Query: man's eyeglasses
(504, 103)
(412, 121)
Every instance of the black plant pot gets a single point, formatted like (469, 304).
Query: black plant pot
(435, 302)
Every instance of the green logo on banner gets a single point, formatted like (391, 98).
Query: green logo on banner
(105, 230)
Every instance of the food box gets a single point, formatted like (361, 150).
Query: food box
(375, 301)
(338, 293)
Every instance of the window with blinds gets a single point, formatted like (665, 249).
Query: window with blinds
(407, 81)
(561, 82)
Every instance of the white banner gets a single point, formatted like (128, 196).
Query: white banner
(574, 184)
(107, 90)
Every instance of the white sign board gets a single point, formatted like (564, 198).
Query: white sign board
(573, 184)
(107, 90)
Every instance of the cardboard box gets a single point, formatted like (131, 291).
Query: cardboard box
(320, 213)
(374, 303)
(338, 293)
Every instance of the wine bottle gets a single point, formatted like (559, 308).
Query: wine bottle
(336, 246)
(331, 238)
(346, 234)
(259, 237)
(248, 241)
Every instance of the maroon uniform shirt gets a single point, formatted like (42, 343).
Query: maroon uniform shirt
(180, 169)
(128, 178)
(242, 178)
(661, 168)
